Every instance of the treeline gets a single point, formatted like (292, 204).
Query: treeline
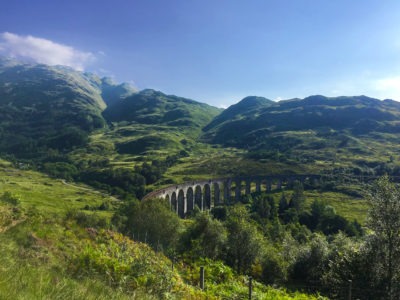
(124, 182)
(277, 242)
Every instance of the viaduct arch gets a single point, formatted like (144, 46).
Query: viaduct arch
(205, 194)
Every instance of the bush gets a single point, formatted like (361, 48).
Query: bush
(9, 198)
(87, 220)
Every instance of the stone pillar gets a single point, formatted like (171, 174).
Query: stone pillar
(238, 190)
(290, 182)
(269, 186)
(207, 197)
(217, 193)
(202, 198)
(258, 186)
(184, 205)
(181, 205)
(227, 191)
(176, 202)
(212, 195)
(248, 187)
(279, 184)
(189, 199)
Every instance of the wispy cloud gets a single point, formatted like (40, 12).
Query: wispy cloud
(43, 51)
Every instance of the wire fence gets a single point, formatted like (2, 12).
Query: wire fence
(343, 291)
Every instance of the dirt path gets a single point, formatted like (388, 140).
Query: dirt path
(89, 190)
(13, 223)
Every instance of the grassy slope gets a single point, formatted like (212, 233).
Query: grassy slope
(44, 255)
(206, 161)
(46, 194)
(317, 132)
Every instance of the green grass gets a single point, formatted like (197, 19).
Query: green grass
(44, 257)
(46, 194)
(347, 206)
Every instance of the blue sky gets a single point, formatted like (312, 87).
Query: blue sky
(217, 51)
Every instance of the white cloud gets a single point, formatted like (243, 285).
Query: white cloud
(43, 51)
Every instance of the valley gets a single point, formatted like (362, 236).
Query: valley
(78, 153)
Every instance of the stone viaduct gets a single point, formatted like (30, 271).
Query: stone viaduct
(206, 194)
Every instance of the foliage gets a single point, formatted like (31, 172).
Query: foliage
(384, 221)
(206, 237)
(61, 170)
(125, 264)
(245, 243)
(324, 218)
(46, 107)
(119, 181)
(52, 121)
(152, 107)
(9, 198)
(149, 221)
(83, 219)
(297, 199)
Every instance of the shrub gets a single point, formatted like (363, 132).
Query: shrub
(9, 198)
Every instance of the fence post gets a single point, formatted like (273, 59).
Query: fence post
(350, 287)
(202, 278)
(250, 287)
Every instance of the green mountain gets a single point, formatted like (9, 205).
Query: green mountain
(113, 92)
(358, 132)
(46, 107)
(57, 235)
(247, 108)
(153, 107)
(152, 122)
(243, 125)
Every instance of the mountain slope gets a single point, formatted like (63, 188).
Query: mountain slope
(46, 107)
(152, 122)
(322, 133)
(247, 108)
(153, 107)
(355, 115)
(113, 92)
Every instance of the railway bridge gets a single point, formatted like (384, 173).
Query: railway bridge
(205, 194)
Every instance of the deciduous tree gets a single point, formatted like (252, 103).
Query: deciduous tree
(384, 221)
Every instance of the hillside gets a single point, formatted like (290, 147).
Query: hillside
(46, 107)
(153, 107)
(113, 92)
(247, 108)
(317, 129)
(98, 241)
(82, 123)
(56, 242)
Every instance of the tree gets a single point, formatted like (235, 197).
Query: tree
(310, 260)
(384, 221)
(283, 205)
(263, 206)
(245, 243)
(205, 237)
(297, 200)
(150, 221)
